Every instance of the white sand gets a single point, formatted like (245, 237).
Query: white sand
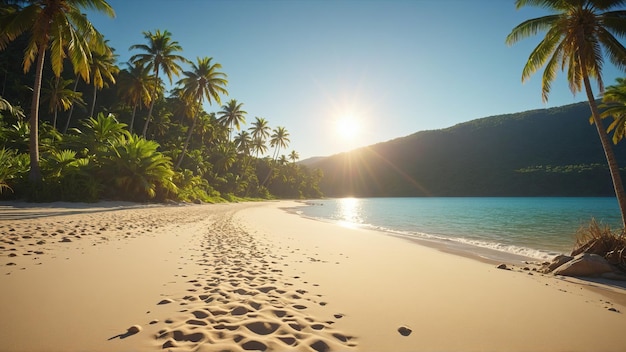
(251, 276)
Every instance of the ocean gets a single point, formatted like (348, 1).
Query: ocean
(537, 228)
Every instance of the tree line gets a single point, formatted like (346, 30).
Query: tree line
(75, 125)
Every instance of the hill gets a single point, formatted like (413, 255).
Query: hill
(546, 152)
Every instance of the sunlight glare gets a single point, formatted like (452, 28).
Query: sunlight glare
(349, 212)
(348, 127)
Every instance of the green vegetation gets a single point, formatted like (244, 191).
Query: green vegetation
(124, 136)
(599, 239)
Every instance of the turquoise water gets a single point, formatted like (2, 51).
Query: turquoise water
(534, 227)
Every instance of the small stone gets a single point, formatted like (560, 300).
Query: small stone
(613, 310)
(65, 239)
(404, 331)
(502, 266)
(133, 330)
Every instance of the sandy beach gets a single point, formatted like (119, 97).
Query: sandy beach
(252, 276)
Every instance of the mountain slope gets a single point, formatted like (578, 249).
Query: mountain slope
(547, 152)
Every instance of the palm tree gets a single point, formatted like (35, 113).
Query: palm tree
(59, 96)
(280, 139)
(614, 104)
(102, 65)
(138, 169)
(58, 25)
(204, 80)
(260, 128)
(243, 142)
(294, 156)
(232, 115)
(158, 55)
(259, 146)
(135, 86)
(578, 35)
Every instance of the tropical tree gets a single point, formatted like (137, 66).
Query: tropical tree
(60, 26)
(103, 68)
(614, 105)
(279, 139)
(243, 142)
(294, 156)
(232, 115)
(203, 81)
(258, 146)
(59, 96)
(138, 169)
(579, 34)
(102, 132)
(15, 111)
(159, 54)
(135, 85)
(260, 128)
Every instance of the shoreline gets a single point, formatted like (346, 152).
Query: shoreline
(253, 275)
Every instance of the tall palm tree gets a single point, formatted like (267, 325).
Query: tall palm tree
(135, 85)
(103, 68)
(59, 96)
(259, 146)
(280, 139)
(203, 81)
(232, 115)
(294, 156)
(614, 104)
(159, 54)
(579, 34)
(260, 128)
(60, 26)
(243, 142)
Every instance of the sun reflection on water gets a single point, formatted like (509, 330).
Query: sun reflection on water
(349, 212)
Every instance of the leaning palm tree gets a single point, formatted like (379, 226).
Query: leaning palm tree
(232, 115)
(158, 55)
(579, 34)
(204, 80)
(103, 68)
(60, 26)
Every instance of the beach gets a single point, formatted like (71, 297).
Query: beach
(253, 276)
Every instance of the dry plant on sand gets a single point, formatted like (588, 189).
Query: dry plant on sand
(599, 239)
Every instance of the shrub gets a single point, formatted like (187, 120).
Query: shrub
(599, 239)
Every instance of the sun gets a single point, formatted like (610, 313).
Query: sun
(347, 127)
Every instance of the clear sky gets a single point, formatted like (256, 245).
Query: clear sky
(397, 67)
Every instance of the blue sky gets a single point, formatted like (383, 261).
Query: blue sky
(397, 66)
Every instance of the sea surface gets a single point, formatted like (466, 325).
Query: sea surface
(538, 228)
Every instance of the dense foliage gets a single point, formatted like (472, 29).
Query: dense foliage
(110, 132)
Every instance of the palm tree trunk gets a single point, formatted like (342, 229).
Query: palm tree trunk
(35, 172)
(132, 119)
(608, 150)
(69, 116)
(145, 125)
(156, 81)
(182, 155)
(93, 102)
(54, 120)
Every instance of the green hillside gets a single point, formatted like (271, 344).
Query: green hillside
(547, 152)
